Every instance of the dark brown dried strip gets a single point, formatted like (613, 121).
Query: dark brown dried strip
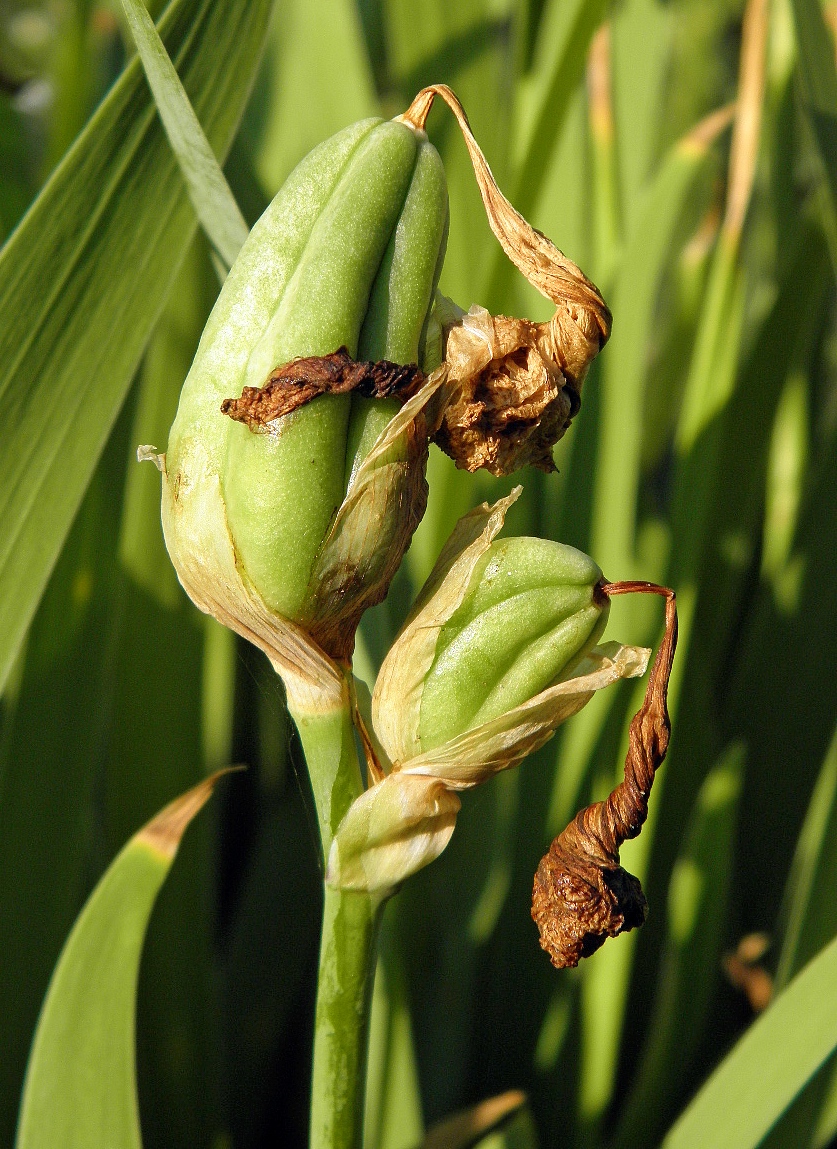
(582, 896)
(294, 384)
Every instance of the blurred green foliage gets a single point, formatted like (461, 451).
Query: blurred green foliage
(705, 454)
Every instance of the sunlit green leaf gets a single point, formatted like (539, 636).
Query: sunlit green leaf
(690, 965)
(80, 1089)
(759, 1078)
(209, 191)
(82, 282)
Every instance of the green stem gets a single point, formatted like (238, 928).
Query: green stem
(341, 1035)
(348, 939)
(328, 739)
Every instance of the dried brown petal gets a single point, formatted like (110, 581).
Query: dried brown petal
(512, 403)
(530, 387)
(582, 896)
(294, 384)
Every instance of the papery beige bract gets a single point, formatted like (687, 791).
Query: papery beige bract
(396, 828)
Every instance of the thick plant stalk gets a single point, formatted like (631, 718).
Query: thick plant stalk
(348, 939)
(345, 980)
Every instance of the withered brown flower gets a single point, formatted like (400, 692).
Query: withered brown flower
(582, 895)
(519, 382)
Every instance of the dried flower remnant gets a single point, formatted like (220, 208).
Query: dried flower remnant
(519, 382)
(512, 403)
(582, 896)
(292, 385)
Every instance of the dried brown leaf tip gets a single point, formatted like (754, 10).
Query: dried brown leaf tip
(521, 381)
(294, 384)
(582, 896)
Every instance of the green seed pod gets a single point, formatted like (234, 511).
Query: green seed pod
(532, 610)
(499, 649)
(347, 255)
(402, 296)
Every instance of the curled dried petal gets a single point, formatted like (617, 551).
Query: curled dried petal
(582, 896)
(513, 401)
(529, 388)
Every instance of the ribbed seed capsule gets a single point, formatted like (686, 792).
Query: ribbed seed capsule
(347, 253)
(532, 610)
(499, 649)
(282, 490)
(402, 295)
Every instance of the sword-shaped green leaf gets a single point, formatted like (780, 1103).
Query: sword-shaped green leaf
(80, 1088)
(209, 191)
(83, 280)
(763, 1073)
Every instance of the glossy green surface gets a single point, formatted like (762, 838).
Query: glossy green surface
(402, 294)
(529, 613)
(282, 490)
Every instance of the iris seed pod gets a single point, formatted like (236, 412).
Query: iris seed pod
(531, 611)
(284, 525)
(499, 649)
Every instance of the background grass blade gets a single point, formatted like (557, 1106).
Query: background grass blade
(315, 78)
(811, 921)
(209, 191)
(819, 83)
(663, 220)
(689, 968)
(811, 914)
(157, 638)
(48, 830)
(754, 1085)
(80, 1088)
(393, 1117)
(83, 280)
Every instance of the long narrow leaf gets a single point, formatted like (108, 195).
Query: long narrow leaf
(82, 282)
(770, 1064)
(80, 1089)
(209, 191)
(49, 770)
(624, 367)
(696, 918)
(819, 82)
(811, 921)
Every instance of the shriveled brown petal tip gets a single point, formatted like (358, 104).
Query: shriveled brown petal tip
(512, 401)
(579, 901)
(582, 896)
(530, 391)
(294, 384)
